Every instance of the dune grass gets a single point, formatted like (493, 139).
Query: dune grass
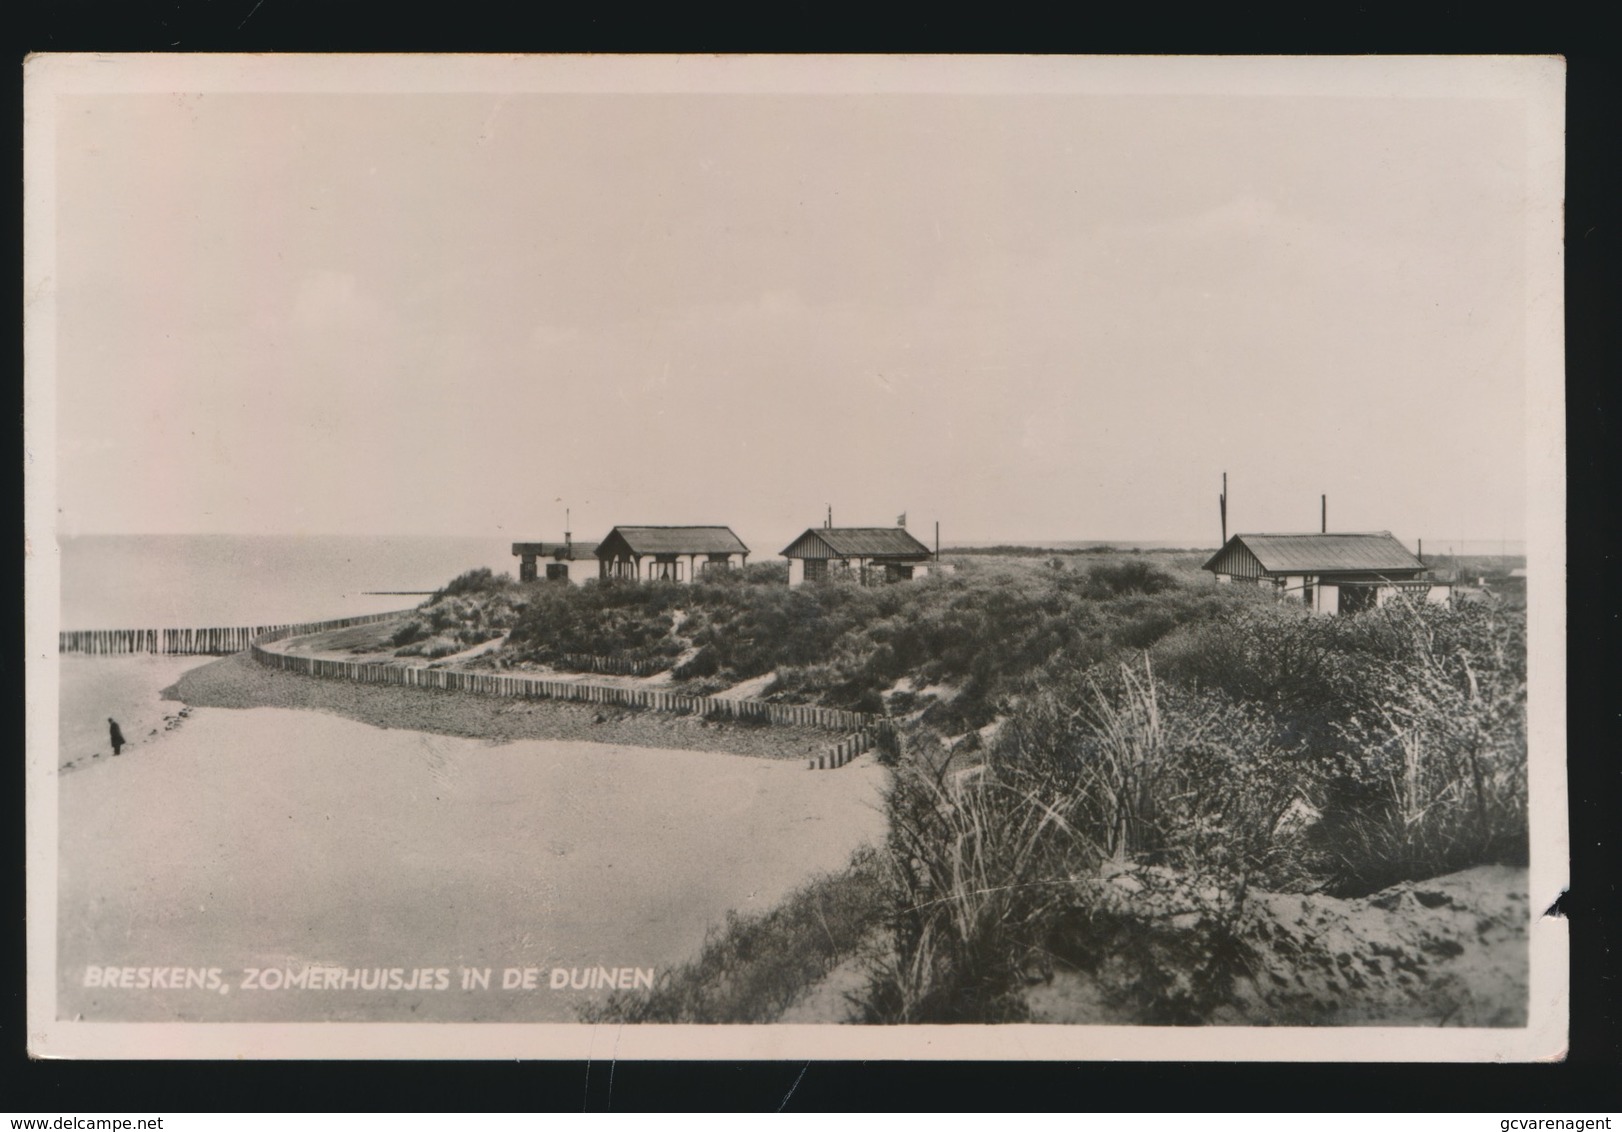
(1401, 731)
(754, 967)
(1148, 722)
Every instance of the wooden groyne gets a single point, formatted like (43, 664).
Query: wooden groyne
(860, 728)
(213, 641)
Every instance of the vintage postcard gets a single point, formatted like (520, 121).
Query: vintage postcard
(795, 557)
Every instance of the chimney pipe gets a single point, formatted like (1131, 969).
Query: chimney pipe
(937, 540)
(1323, 514)
(1222, 505)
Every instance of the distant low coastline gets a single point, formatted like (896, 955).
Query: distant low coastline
(1022, 550)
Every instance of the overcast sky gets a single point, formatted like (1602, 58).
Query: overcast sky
(1027, 317)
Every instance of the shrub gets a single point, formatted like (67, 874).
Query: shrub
(1255, 745)
(432, 647)
(1134, 576)
(440, 646)
(627, 620)
(1433, 778)
(480, 580)
(756, 966)
(1410, 720)
(1293, 664)
(409, 632)
(846, 645)
(701, 664)
(1199, 782)
(1110, 770)
(751, 574)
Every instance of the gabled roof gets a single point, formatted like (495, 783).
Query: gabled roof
(863, 542)
(674, 540)
(1324, 553)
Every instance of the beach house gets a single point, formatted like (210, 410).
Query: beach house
(865, 554)
(1327, 572)
(566, 561)
(674, 554)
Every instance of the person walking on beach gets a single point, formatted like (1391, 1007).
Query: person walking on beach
(115, 735)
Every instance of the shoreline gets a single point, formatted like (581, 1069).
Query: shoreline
(129, 688)
(239, 682)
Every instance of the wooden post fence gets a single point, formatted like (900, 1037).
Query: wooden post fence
(858, 725)
(224, 641)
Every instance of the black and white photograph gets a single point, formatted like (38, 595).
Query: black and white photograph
(820, 557)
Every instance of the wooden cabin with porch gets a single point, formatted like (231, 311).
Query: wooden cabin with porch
(1328, 573)
(672, 554)
(869, 555)
(566, 561)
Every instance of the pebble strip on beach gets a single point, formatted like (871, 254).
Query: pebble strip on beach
(238, 682)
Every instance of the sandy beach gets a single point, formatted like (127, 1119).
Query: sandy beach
(379, 832)
(279, 839)
(127, 688)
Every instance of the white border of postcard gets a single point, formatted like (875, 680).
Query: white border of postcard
(1538, 83)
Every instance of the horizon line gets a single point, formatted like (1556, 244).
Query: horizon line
(977, 542)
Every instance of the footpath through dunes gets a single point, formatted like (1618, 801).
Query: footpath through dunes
(291, 840)
(240, 682)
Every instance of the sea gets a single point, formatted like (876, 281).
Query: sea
(198, 581)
